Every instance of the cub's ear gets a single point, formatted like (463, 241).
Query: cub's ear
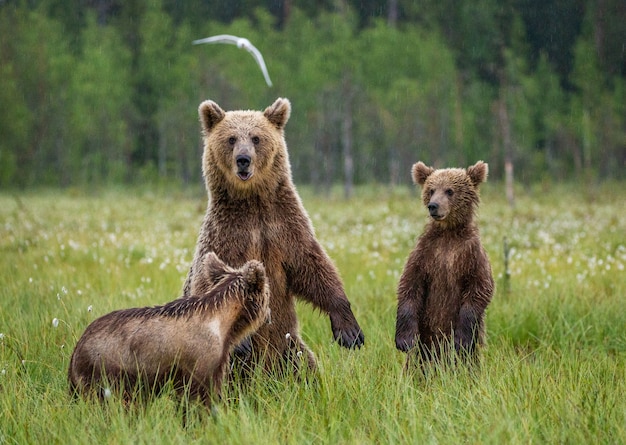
(254, 274)
(419, 172)
(278, 113)
(478, 173)
(210, 115)
(213, 269)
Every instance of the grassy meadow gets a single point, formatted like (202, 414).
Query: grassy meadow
(554, 370)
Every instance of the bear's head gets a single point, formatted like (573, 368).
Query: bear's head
(451, 194)
(244, 151)
(241, 293)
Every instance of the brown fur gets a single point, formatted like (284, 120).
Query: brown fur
(447, 281)
(188, 340)
(254, 212)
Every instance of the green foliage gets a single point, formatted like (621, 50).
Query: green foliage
(553, 371)
(108, 92)
(36, 84)
(101, 98)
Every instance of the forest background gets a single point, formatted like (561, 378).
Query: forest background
(98, 92)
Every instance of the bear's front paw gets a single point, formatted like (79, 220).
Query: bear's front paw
(405, 343)
(351, 338)
(347, 332)
(463, 346)
(243, 350)
(464, 342)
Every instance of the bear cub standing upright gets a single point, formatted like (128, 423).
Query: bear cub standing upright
(447, 281)
(254, 212)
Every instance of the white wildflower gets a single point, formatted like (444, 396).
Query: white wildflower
(89, 308)
(287, 336)
(107, 393)
(55, 322)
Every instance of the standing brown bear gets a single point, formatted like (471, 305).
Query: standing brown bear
(254, 212)
(447, 281)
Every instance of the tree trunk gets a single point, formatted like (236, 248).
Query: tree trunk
(394, 168)
(346, 137)
(392, 16)
(505, 134)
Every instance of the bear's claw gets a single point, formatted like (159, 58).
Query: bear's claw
(350, 340)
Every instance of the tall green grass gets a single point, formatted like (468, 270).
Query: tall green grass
(554, 369)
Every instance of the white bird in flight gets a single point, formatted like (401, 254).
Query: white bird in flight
(241, 43)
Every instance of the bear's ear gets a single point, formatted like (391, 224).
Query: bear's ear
(213, 269)
(254, 274)
(278, 113)
(210, 115)
(478, 173)
(420, 172)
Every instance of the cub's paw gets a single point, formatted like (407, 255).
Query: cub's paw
(464, 346)
(243, 350)
(405, 343)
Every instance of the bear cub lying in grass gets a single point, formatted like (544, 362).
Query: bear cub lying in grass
(447, 281)
(187, 341)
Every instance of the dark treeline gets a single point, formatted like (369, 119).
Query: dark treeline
(106, 91)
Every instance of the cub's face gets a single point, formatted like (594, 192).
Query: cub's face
(242, 146)
(255, 301)
(446, 191)
(242, 294)
(451, 194)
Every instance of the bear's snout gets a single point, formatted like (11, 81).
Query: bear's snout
(438, 210)
(243, 162)
(243, 167)
(433, 210)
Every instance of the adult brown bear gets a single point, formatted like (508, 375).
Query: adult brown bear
(254, 212)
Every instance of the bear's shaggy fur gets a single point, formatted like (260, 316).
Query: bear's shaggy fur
(254, 212)
(188, 340)
(447, 281)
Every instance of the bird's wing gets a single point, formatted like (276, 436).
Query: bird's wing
(259, 59)
(222, 38)
(243, 43)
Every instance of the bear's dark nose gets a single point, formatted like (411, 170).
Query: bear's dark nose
(243, 161)
(432, 207)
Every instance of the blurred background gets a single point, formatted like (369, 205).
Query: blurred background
(99, 92)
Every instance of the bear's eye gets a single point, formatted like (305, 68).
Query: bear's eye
(449, 192)
(232, 140)
(256, 140)
(431, 192)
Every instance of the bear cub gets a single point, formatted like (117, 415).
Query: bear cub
(187, 341)
(447, 281)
